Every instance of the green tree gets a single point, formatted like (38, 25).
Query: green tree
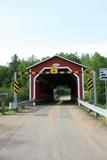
(44, 58)
(86, 60)
(97, 62)
(70, 56)
(24, 79)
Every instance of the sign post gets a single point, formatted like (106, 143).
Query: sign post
(15, 93)
(106, 90)
(94, 85)
(15, 63)
(103, 76)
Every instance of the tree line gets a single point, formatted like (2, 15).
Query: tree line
(92, 62)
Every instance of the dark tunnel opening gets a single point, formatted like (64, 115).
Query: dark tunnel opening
(49, 82)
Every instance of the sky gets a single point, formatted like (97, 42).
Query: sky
(46, 27)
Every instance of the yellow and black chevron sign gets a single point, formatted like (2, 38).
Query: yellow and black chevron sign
(52, 70)
(16, 86)
(90, 84)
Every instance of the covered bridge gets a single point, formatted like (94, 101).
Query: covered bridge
(45, 76)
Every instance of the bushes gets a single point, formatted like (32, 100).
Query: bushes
(10, 92)
(23, 94)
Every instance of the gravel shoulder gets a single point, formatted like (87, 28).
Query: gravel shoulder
(10, 124)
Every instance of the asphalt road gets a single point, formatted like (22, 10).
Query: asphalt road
(58, 132)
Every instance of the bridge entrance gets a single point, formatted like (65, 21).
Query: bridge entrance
(67, 73)
(48, 82)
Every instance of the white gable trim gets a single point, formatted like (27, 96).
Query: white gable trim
(58, 57)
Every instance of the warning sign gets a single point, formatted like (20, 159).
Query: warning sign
(16, 86)
(90, 84)
(54, 70)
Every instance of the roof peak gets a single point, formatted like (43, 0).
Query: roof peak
(56, 55)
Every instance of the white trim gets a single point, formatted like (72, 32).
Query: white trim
(34, 89)
(71, 61)
(83, 82)
(78, 87)
(58, 57)
(30, 86)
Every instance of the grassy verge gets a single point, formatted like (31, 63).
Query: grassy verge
(103, 106)
(7, 111)
(103, 121)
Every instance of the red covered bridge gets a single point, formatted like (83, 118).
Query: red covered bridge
(53, 72)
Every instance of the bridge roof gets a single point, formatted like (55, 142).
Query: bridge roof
(58, 57)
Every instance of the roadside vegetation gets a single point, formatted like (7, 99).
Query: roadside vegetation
(93, 62)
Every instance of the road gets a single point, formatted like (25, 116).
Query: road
(58, 132)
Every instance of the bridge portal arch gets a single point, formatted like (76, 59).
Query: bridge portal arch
(69, 73)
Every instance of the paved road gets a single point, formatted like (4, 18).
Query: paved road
(58, 132)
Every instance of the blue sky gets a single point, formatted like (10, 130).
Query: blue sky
(44, 28)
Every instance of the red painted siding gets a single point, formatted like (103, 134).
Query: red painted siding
(49, 63)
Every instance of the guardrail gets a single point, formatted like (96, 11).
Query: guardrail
(22, 103)
(94, 108)
(32, 102)
(25, 103)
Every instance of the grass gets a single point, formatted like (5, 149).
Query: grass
(103, 106)
(8, 111)
(102, 121)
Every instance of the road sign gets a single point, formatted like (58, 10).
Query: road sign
(103, 73)
(103, 76)
(54, 70)
(90, 84)
(16, 86)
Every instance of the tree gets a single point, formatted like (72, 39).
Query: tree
(70, 56)
(44, 58)
(32, 60)
(97, 62)
(94, 61)
(24, 79)
(86, 60)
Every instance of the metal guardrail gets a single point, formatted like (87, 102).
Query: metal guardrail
(94, 108)
(32, 102)
(22, 103)
(25, 103)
